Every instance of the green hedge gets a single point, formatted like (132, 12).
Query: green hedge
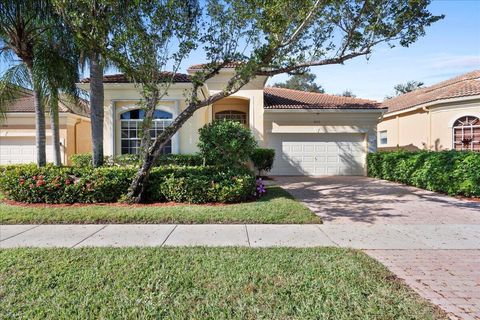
(262, 159)
(450, 172)
(200, 184)
(85, 160)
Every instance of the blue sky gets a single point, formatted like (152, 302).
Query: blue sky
(450, 47)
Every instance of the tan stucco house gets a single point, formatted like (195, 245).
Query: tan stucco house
(440, 117)
(313, 134)
(17, 132)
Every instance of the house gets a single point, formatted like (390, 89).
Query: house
(312, 133)
(440, 117)
(17, 132)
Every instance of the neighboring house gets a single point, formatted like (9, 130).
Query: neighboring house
(17, 132)
(312, 133)
(440, 117)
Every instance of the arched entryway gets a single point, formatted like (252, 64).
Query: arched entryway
(235, 109)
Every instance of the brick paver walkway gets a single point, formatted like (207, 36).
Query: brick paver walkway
(448, 278)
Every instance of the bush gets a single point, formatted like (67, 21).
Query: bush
(200, 184)
(85, 160)
(451, 172)
(226, 143)
(263, 159)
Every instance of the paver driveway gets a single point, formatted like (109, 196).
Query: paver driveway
(448, 274)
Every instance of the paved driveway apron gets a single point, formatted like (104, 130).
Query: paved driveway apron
(429, 240)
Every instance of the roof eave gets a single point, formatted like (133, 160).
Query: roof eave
(430, 104)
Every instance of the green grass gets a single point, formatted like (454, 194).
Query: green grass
(276, 207)
(202, 283)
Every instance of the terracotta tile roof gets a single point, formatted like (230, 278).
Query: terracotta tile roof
(462, 86)
(231, 65)
(26, 104)
(280, 98)
(121, 78)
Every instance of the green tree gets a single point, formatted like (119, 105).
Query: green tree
(265, 41)
(347, 93)
(23, 24)
(303, 82)
(91, 23)
(407, 87)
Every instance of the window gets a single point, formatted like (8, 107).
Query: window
(466, 133)
(383, 137)
(232, 115)
(131, 126)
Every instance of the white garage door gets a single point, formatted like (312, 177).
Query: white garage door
(318, 153)
(20, 150)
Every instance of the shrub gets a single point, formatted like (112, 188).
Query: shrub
(226, 143)
(262, 159)
(451, 172)
(85, 160)
(200, 184)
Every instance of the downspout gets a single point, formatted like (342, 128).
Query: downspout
(75, 135)
(426, 109)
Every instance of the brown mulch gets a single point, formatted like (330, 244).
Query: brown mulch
(114, 204)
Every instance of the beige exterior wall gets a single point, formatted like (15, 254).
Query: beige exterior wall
(122, 97)
(429, 127)
(73, 140)
(323, 122)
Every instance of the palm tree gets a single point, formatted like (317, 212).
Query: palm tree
(91, 23)
(23, 22)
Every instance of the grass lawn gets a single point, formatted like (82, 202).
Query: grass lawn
(202, 283)
(277, 206)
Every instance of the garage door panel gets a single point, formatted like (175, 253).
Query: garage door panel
(21, 150)
(318, 154)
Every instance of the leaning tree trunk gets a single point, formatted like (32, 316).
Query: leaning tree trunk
(96, 108)
(139, 183)
(54, 125)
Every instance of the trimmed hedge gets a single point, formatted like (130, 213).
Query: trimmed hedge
(201, 184)
(451, 172)
(85, 160)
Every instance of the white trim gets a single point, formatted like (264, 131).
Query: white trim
(32, 114)
(114, 124)
(324, 111)
(452, 122)
(173, 110)
(431, 103)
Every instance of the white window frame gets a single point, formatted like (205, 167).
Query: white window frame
(381, 137)
(465, 129)
(117, 137)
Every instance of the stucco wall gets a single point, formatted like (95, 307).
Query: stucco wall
(427, 129)
(323, 122)
(23, 125)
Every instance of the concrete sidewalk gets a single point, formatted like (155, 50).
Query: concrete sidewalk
(371, 237)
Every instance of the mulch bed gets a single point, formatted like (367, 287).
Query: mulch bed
(114, 204)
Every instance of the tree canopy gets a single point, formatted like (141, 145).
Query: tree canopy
(303, 82)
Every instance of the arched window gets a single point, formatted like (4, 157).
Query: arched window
(466, 133)
(131, 126)
(232, 115)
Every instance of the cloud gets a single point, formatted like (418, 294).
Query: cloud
(456, 61)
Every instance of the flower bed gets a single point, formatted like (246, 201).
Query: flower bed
(199, 184)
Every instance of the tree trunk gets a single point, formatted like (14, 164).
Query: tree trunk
(54, 125)
(96, 109)
(40, 136)
(137, 187)
(40, 129)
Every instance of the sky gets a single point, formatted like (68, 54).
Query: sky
(451, 47)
